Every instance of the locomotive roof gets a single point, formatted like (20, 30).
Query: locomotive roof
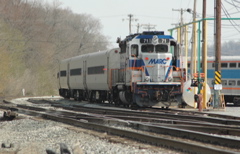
(151, 36)
(148, 35)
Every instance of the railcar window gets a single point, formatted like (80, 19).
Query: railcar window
(224, 82)
(161, 48)
(224, 65)
(233, 65)
(238, 64)
(63, 73)
(238, 82)
(77, 71)
(147, 48)
(213, 65)
(134, 50)
(232, 82)
(188, 65)
(96, 70)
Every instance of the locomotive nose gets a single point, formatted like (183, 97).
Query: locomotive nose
(157, 67)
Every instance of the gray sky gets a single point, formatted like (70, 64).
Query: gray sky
(113, 15)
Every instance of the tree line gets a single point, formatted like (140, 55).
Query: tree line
(34, 37)
(229, 48)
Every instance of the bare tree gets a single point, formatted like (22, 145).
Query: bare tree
(34, 36)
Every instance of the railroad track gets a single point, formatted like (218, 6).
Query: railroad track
(153, 128)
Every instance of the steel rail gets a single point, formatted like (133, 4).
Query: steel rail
(198, 136)
(149, 139)
(167, 111)
(150, 114)
(190, 125)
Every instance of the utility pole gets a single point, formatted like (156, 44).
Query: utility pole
(138, 27)
(130, 22)
(180, 24)
(180, 35)
(217, 30)
(204, 53)
(194, 36)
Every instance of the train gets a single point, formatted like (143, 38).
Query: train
(230, 77)
(145, 71)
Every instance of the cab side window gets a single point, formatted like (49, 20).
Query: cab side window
(134, 50)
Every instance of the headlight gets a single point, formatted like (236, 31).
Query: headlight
(147, 78)
(170, 78)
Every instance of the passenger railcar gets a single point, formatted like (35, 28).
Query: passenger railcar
(87, 77)
(145, 71)
(230, 72)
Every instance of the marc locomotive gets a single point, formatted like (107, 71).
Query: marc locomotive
(145, 71)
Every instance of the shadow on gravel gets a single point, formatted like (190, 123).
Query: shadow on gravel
(8, 115)
(63, 150)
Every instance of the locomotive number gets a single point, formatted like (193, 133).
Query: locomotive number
(154, 41)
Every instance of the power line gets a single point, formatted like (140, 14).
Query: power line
(233, 23)
(236, 6)
(226, 26)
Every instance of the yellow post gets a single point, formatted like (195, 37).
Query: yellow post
(205, 63)
(194, 46)
(178, 35)
(194, 55)
(186, 50)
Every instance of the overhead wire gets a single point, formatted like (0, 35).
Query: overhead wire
(233, 23)
(236, 1)
(236, 6)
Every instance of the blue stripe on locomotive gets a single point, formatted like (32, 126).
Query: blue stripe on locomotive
(140, 63)
(151, 36)
(137, 63)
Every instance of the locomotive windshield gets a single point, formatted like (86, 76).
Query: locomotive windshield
(160, 48)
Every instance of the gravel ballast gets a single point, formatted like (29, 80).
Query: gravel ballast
(35, 136)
